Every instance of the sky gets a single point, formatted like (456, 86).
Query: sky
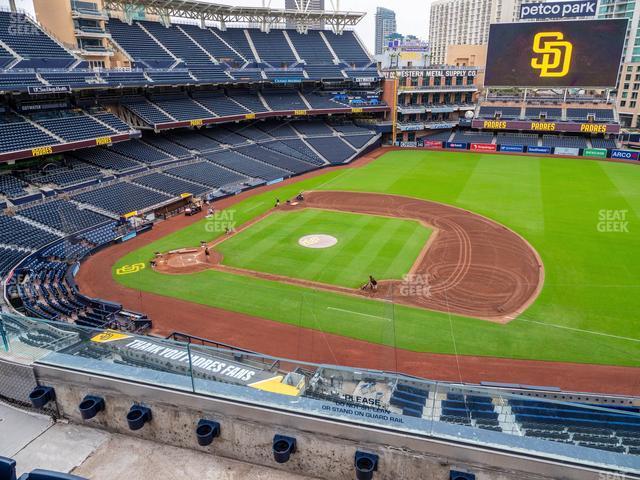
(411, 15)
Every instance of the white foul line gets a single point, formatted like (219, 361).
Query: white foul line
(580, 330)
(357, 313)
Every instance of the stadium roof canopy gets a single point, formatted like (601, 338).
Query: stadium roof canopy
(266, 17)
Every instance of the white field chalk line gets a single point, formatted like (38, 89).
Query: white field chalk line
(579, 330)
(358, 313)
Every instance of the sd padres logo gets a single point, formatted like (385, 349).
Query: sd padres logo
(309, 241)
(554, 59)
(129, 269)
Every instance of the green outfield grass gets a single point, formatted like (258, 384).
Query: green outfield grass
(367, 245)
(569, 210)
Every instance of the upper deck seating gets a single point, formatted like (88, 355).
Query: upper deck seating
(36, 48)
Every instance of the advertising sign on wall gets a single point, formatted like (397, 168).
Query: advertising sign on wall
(483, 147)
(511, 148)
(543, 150)
(595, 152)
(625, 154)
(566, 151)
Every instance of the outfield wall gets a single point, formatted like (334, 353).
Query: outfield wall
(592, 153)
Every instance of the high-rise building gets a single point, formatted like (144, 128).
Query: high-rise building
(466, 22)
(303, 6)
(385, 26)
(628, 103)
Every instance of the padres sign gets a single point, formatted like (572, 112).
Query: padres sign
(554, 59)
(129, 269)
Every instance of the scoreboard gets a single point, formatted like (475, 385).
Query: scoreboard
(562, 54)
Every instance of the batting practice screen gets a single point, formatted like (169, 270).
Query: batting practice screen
(555, 54)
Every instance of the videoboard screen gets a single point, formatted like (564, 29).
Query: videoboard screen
(564, 54)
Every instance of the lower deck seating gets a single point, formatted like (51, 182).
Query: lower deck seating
(63, 216)
(333, 149)
(15, 231)
(122, 198)
(206, 173)
(166, 184)
(247, 166)
(564, 141)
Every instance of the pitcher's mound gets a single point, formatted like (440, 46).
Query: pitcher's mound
(318, 241)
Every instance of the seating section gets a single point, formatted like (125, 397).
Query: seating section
(441, 136)
(247, 166)
(75, 127)
(525, 139)
(358, 141)
(567, 423)
(9, 258)
(140, 151)
(220, 104)
(212, 44)
(10, 80)
(206, 173)
(11, 186)
(36, 48)
(473, 137)
(313, 128)
(193, 141)
(603, 143)
(170, 185)
(14, 231)
(73, 79)
(319, 101)
(470, 410)
(125, 78)
(249, 99)
(284, 100)
(147, 111)
(272, 47)
(409, 399)
(181, 107)
(21, 135)
(122, 198)
(237, 39)
(276, 159)
(137, 43)
(565, 141)
(63, 175)
(549, 113)
(333, 149)
(107, 159)
(583, 114)
(63, 216)
(171, 77)
(348, 48)
(499, 112)
(311, 47)
(163, 143)
(113, 121)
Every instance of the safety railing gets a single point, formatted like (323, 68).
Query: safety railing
(471, 414)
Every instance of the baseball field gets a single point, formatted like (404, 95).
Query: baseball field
(579, 218)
